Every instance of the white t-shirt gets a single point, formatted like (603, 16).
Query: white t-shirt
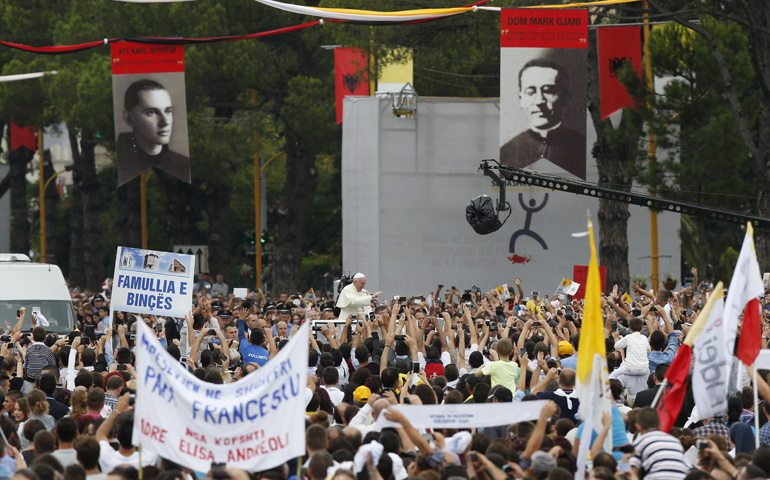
(335, 394)
(667, 309)
(110, 459)
(66, 457)
(344, 372)
(636, 346)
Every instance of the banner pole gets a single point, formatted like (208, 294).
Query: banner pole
(41, 163)
(756, 409)
(660, 391)
(299, 467)
(257, 200)
(652, 149)
(141, 468)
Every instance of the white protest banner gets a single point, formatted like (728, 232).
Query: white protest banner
(255, 423)
(156, 283)
(712, 363)
(466, 415)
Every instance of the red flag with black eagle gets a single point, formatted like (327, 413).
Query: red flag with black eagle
(350, 75)
(617, 45)
(670, 403)
(23, 137)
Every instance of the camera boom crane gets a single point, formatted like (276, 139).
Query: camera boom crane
(552, 182)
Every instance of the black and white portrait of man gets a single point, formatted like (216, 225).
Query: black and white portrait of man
(151, 125)
(543, 117)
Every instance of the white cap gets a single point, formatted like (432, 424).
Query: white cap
(358, 275)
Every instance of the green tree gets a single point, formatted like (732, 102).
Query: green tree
(753, 19)
(24, 102)
(702, 159)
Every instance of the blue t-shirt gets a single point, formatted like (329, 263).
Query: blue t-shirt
(251, 353)
(619, 437)
(5, 471)
(570, 362)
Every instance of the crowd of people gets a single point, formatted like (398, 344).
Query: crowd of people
(67, 407)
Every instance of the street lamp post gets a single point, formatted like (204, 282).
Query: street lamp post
(258, 173)
(68, 168)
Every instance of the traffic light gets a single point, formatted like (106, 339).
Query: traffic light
(249, 246)
(250, 239)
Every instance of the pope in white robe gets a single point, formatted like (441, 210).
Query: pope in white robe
(354, 299)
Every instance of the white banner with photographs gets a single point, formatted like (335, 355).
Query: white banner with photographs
(152, 282)
(255, 423)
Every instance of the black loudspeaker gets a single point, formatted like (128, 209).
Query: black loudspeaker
(482, 216)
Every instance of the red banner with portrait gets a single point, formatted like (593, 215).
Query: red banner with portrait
(543, 89)
(150, 110)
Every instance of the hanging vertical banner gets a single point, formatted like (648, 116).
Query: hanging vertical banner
(395, 70)
(580, 276)
(543, 89)
(616, 46)
(350, 75)
(23, 137)
(150, 110)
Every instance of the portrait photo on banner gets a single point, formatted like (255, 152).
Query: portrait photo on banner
(150, 111)
(543, 110)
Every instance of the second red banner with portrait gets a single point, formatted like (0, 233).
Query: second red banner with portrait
(150, 110)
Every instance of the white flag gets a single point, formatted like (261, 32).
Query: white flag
(594, 401)
(745, 286)
(502, 292)
(567, 287)
(712, 364)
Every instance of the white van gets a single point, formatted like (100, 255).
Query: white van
(24, 283)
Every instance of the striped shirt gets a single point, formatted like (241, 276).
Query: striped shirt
(38, 357)
(747, 416)
(659, 456)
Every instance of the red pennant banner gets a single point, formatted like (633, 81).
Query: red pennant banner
(132, 57)
(670, 402)
(580, 275)
(350, 75)
(23, 137)
(617, 45)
